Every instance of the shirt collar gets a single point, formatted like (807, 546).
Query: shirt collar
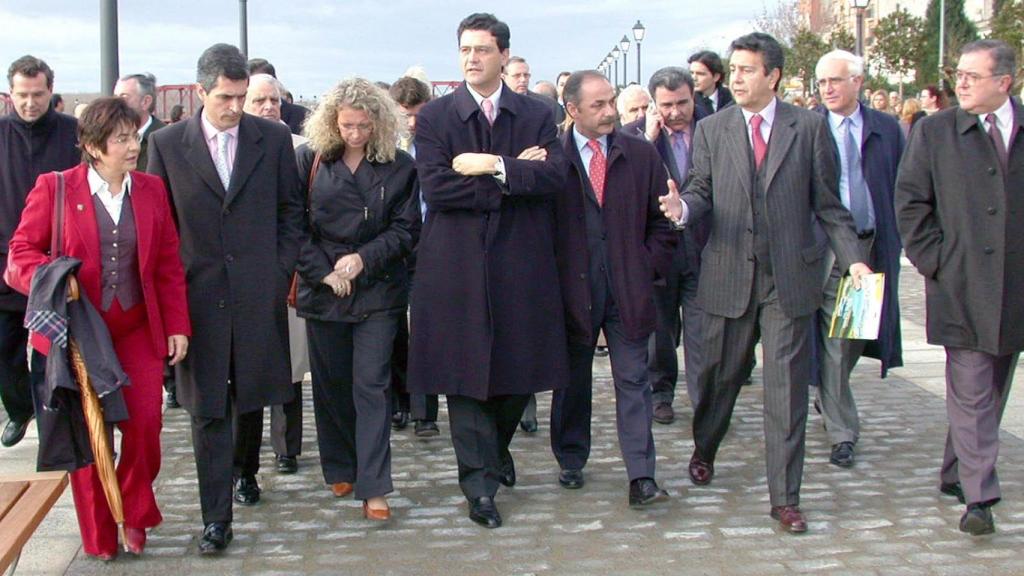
(495, 98)
(856, 119)
(767, 113)
(97, 184)
(582, 141)
(144, 127)
(210, 131)
(1004, 115)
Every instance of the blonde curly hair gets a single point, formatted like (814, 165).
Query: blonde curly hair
(359, 94)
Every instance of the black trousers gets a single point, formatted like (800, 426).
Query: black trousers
(481, 433)
(351, 367)
(420, 406)
(15, 379)
(216, 473)
(286, 425)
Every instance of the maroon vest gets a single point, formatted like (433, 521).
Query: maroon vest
(119, 256)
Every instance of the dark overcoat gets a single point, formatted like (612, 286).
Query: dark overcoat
(881, 148)
(959, 217)
(486, 309)
(640, 239)
(239, 248)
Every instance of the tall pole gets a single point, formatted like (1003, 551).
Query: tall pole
(638, 62)
(243, 29)
(860, 32)
(616, 73)
(625, 60)
(108, 47)
(942, 43)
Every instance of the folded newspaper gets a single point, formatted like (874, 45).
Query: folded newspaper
(858, 313)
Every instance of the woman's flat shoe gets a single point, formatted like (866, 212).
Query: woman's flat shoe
(134, 540)
(341, 489)
(374, 514)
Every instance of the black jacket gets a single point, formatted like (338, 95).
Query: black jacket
(26, 151)
(382, 225)
(293, 115)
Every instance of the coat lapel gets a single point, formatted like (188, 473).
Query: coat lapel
(248, 155)
(779, 142)
(739, 146)
(81, 214)
(198, 154)
(144, 222)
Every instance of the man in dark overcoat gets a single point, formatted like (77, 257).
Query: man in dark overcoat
(613, 245)
(486, 312)
(959, 199)
(235, 186)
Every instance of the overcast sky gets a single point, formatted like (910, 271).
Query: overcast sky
(315, 43)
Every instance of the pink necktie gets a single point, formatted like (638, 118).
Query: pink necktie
(597, 171)
(488, 108)
(760, 147)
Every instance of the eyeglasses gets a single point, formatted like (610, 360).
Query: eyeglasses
(969, 78)
(364, 128)
(826, 82)
(123, 139)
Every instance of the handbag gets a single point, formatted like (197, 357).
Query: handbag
(293, 290)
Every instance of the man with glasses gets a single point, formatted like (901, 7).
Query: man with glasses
(959, 199)
(870, 144)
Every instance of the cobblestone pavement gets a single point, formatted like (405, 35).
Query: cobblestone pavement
(883, 517)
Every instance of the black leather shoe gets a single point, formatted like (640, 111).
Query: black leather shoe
(953, 489)
(172, 399)
(399, 420)
(645, 491)
(977, 520)
(14, 432)
(484, 512)
(247, 491)
(571, 479)
(426, 429)
(663, 413)
(529, 425)
(701, 472)
(287, 464)
(216, 537)
(842, 455)
(508, 472)
(601, 352)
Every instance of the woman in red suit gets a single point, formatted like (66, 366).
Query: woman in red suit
(118, 223)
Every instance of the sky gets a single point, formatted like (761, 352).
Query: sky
(314, 43)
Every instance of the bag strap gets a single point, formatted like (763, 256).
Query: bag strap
(312, 174)
(57, 233)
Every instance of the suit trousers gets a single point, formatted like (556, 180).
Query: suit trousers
(679, 318)
(216, 473)
(15, 378)
(835, 361)
(420, 406)
(139, 454)
(977, 386)
(351, 367)
(482, 431)
(786, 348)
(571, 406)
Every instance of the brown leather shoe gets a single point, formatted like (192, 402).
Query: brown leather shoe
(701, 472)
(341, 489)
(663, 413)
(791, 518)
(380, 515)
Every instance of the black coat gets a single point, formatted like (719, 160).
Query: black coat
(640, 240)
(26, 151)
(293, 115)
(155, 125)
(382, 226)
(486, 310)
(239, 249)
(960, 222)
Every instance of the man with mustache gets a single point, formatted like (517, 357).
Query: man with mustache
(612, 244)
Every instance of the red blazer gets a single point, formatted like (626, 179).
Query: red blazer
(160, 268)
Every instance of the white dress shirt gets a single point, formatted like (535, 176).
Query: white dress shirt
(99, 187)
(1004, 120)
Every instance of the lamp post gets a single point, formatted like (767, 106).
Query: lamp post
(624, 44)
(243, 28)
(608, 65)
(860, 6)
(615, 58)
(638, 35)
(942, 43)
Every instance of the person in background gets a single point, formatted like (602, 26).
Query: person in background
(911, 113)
(932, 99)
(177, 113)
(57, 103)
(709, 79)
(632, 103)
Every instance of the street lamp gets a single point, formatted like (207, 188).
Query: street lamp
(608, 65)
(860, 6)
(624, 44)
(615, 58)
(638, 35)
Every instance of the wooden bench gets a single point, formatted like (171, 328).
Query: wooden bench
(24, 502)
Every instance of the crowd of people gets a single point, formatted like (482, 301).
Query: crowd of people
(485, 246)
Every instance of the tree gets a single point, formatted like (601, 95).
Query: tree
(1008, 26)
(841, 39)
(782, 21)
(803, 56)
(899, 45)
(959, 31)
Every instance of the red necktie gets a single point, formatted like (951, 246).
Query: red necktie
(760, 147)
(597, 171)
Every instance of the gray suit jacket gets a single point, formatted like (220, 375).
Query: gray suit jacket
(801, 187)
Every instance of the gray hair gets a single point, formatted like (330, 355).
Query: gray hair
(147, 87)
(854, 63)
(670, 78)
(1003, 57)
(267, 79)
(220, 60)
(627, 93)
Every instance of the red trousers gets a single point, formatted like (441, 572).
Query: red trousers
(139, 453)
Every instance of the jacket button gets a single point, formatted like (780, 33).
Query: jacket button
(989, 250)
(229, 258)
(220, 304)
(227, 211)
(991, 170)
(582, 275)
(991, 210)
(750, 230)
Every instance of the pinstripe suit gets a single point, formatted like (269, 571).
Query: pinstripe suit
(743, 297)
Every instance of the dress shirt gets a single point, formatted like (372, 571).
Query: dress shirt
(767, 121)
(210, 133)
(99, 187)
(586, 152)
(1004, 120)
(835, 122)
(713, 98)
(144, 127)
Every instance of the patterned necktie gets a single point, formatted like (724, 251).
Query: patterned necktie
(997, 139)
(681, 151)
(760, 146)
(223, 168)
(597, 171)
(488, 108)
(860, 202)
